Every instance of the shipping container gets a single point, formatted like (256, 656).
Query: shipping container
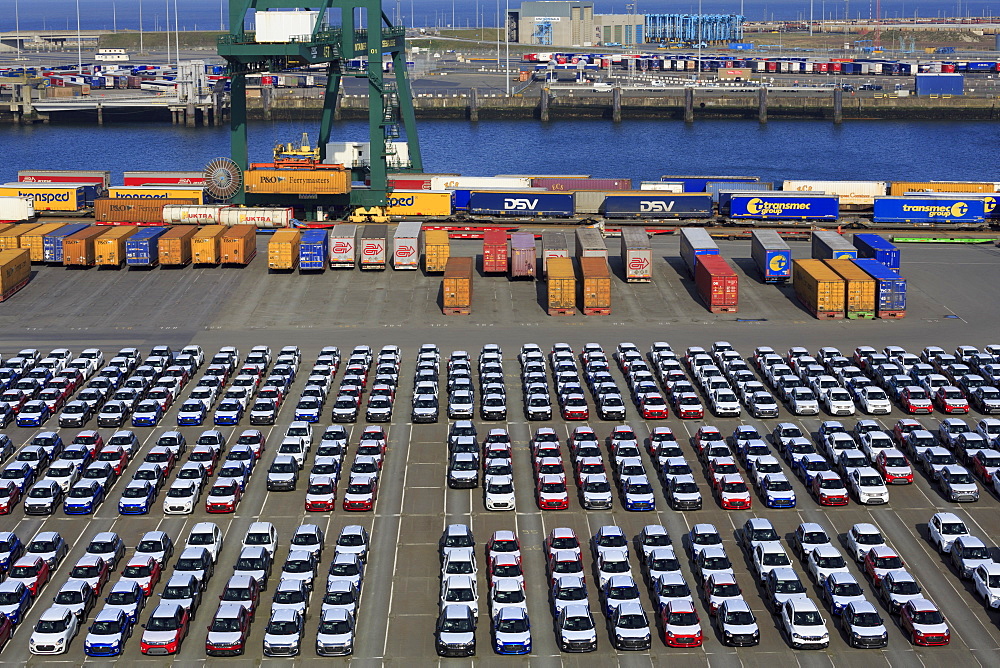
(940, 84)
(418, 203)
(820, 290)
(283, 250)
(874, 246)
(561, 288)
(899, 188)
(406, 246)
(658, 205)
(662, 186)
(595, 286)
(859, 289)
(696, 241)
(206, 245)
(238, 245)
(48, 198)
(890, 288)
(714, 188)
(372, 246)
(99, 178)
(523, 255)
(298, 181)
(314, 250)
(772, 256)
(79, 250)
(175, 245)
(456, 287)
(524, 204)
(437, 250)
(265, 218)
(16, 209)
(717, 284)
(193, 214)
(852, 194)
(109, 248)
(554, 244)
(194, 193)
(164, 178)
(454, 182)
(495, 255)
(590, 243)
(118, 211)
(344, 246)
(15, 271)
(557, 183)
(142, 249)
(52, 243)
(828, 245)
(699, 184)
(917, 209)
(11, 237)
(34, 240)
(589, 202)
(637, 255)
(767, 206)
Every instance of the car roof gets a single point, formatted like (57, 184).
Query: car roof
(109, 614)
(285, 615)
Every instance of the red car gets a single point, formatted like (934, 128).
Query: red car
(74, 377)
(705, 435)
(93, 570)
(687, 405)
(829, 489)
(54, 397)
(653, 407)
(223, 497)
(144, 571)
(550, 491)
(680, 623)
(10, 494)
(504, 566)
(208, 457)
(162, 456)
(116, 455)
(879, 561)
(272, 392)
(6, 630)
(904, 427)
(361, 493)
(564, 562)
(588, 466)
(924, 622)
(914, 400)
(15, 398)
(91, 439)
(162, 395)
(894, 468)
(165, 629)
(721, 466)
(550, 466)
(950, 400)
(32, 571)
(732, 492)
(574, 407)
(561, 538)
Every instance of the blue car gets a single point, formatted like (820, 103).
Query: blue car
(147, 413)
(137, 498)
(236, 470)
(512, 631)
(191, 414)
(777, 491)
(11, 549)
(126, 596)
(309, 409)
(107, 635)
(79, 454)
(52, 443)
(229, 411)
(83, 497)
(15, 599)
(20, 472)
(808, 466)
(33, 414)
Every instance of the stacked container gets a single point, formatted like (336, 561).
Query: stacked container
(283, 250)
(79, 248)
(456, 287)
(343, 246)
(523, 255)
(717, 284)
(142, 249)
(175, 246)
(238, 245)
(827, 245)
(206, 243)
(495, 256)
(590, 243)
(372, 247)
(595, 286)
(561, 287)
(875, 247)
(52, 244)
(890, 288)
(314, 250)
(637, 255)
(696, 241)
(15, 270)
(437, 251)
(554, 245)
(109, 248)
(772, 256)
(819, 289)
(34, 240)
(406, 246)
(859, 289)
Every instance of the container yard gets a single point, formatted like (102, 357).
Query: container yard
(372, 247)
(80, 249)
(238, 245)
(890, 288)
(343, 246)
(495, 253)
(636, 255)
(406, 246)
(523, 255)
(314, 251)
(174, 248)
(109, 248)
(142, 249)
(206, 245)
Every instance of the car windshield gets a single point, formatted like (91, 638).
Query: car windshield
(870, 481)
(335, 627)
(789, 587)
(81, 492)
(201, 538)
(928, 617)
(137, 571)
(298, 566)
(893, 562)
(960, 478)
(350, 568)
(177, 592)
(516, 625)
(225, 624)
(282, 628)
(320, 488)
(135, 492)
(105, 627)
(65, 597)
(181, 492)
(632, 621)
(778, 485)
(237, 593)
(52, 625)
(847, 589)
(331, 598)
(162, 623)
(43, 492)
(500, 488)
(807, 618)
(869, 539)
(460, 625)
(739, 618)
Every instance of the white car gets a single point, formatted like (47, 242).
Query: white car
(725, 403)
(207, 535)
(802, 401)
(498, 492)
(838, 402)
(803, 624)
(460, 589)
(874, 401)
(868, 486)
(182, 497)
(54, 631)
(874, 442)
(823, 561)
(861, 538)
(986, 580)
(302, 431)
(767, 557)
(944, 529)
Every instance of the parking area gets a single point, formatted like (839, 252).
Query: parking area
(400, 595)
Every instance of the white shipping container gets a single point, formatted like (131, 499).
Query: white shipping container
(264, 218)
(405, 246)
(479, 182)
(16, 209)
(637, 255)
(664, 186)
(852, 193)
(358, 153)
(193, 214)
(343, 246)
(281, 26)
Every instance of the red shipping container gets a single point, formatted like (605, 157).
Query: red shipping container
(947, 68)
(566, 183)
(495, 252)
(410, 183)
(836, 67)
(717, 283)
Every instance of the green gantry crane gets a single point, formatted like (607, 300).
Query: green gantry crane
(364, 32)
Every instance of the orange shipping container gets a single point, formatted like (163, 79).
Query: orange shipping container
(80, 249)
(115, 210)
(15, 271)
(437, 251)
(457, 286)
(174, 248)
(819, 288)
(33, 240)
(561, 286)
(897, 188)
(595, 286)
(238, 245)
(860, 289)
(283, 250)
(205, 244)
(298, 181)
(10, 238)
(109, 249)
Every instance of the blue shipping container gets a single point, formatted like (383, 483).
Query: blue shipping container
(716, 188)
(772, 256)
(784, 207)
(513, 203)
(928, 210)
(52, 243)
(890, 285)
(460, 200)
(142, 248)
(654, 205)
(313, 250)
(940, 84)
(874, 246)
(698, 184)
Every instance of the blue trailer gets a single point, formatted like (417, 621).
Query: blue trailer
(874, 246)
(925, 209)
(761, 206)
(772, 256)
(522, 203)
(890, 288)
(52, 243)
(313, 250)
(651, 204)
(142, 249)
(699, 184)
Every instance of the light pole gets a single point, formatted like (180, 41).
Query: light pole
(506, 42)
(140, 27)
(79, 41)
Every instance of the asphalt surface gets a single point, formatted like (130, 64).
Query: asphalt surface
(952, 302)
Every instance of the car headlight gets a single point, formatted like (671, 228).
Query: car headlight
(797, 636)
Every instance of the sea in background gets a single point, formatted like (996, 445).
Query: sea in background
(637, 149)
(210, 15)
